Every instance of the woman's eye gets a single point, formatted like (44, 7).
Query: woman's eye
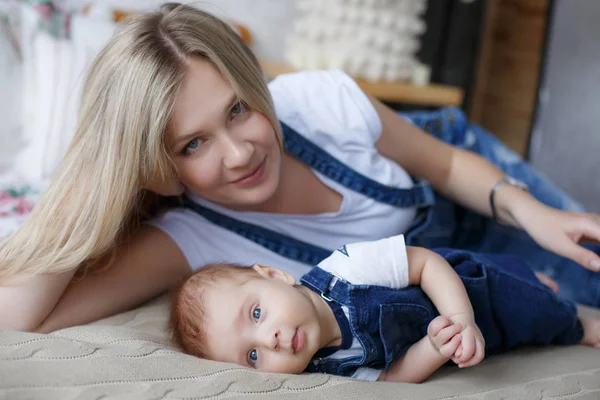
(256, 313)
(238, 109)
(253, 356)
(191, 146)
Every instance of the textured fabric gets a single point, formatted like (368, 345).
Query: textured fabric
(128, 356)
(388, 321)
(381, 262)
(405, 200)
(346, 127)
(440, 222)
(450, 225)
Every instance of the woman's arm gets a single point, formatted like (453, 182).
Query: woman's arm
(460, 175)
(145, 265)
(468, 178)
(25, 302)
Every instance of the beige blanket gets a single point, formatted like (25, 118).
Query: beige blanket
(128, 357)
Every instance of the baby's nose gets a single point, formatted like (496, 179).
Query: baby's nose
(274, 341)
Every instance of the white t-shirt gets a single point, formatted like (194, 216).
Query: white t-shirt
(383, 263)
(329, 109)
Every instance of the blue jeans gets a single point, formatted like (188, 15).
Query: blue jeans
(454, 226)
(386, 321)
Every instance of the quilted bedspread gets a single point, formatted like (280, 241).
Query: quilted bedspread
(128, 356)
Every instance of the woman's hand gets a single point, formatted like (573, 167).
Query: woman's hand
(561, 232)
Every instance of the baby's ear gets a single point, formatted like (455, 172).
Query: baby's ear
(274, 273)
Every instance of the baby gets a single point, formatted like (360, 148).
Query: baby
(373, 311)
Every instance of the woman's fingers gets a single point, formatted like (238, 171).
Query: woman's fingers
(586, 258)
(586, 229)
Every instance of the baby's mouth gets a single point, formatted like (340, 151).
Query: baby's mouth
(298, 341)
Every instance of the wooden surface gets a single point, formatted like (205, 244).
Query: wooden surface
(508, 73)
(400, 92)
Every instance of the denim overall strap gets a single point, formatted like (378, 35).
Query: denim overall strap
(328, 286)
(283, 245)
(420, 196)
(335, 292)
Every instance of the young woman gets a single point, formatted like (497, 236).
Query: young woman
(281, 174)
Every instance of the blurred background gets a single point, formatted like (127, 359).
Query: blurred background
(524, 69)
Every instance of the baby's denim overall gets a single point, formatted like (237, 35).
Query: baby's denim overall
(439, 222)
(511, 308)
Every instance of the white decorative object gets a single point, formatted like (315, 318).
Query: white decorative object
(376, 40)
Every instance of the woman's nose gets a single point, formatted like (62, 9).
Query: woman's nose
(237, 152)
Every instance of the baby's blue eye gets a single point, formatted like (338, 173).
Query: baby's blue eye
(256, 313)
(253, 356)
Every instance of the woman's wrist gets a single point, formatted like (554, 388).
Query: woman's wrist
(510, 202)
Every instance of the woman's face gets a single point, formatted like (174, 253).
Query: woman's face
(224, 151)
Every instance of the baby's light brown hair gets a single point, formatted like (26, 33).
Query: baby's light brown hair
(187, 314)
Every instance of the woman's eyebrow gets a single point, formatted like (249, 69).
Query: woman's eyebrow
(189, 136)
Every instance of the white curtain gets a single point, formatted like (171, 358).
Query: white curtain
(54, 71)
(10, 85)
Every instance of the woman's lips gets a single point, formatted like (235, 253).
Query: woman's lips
(254, 176)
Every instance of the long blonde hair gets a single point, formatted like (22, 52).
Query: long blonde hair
(96, 195)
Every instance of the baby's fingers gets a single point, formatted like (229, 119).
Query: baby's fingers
(437, 325)
(447, 350)
(458, 353)
(477, 356)
(468, 347)
(447, 333)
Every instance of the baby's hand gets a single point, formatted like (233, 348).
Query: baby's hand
(472, 347)
(444, 335)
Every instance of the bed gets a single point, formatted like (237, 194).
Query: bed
(128, 356)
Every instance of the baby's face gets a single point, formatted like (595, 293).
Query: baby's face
(266, 323)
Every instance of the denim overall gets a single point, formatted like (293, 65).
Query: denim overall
(439, 222)
(388, 321)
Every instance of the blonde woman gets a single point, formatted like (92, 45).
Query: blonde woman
(184, 157)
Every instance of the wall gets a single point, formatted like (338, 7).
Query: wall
(268, 20)
(566, 137)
